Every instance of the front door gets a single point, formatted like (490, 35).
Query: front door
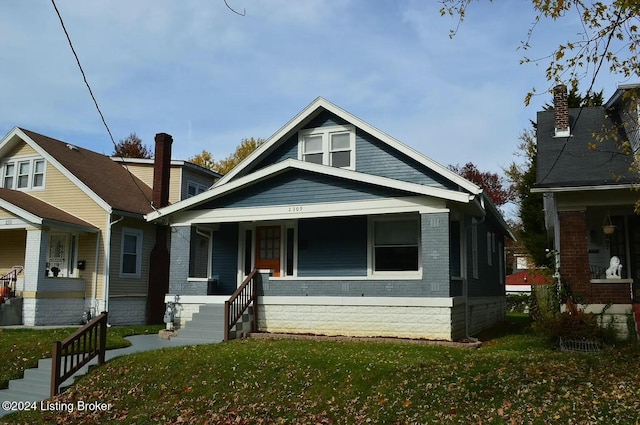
(268, 248)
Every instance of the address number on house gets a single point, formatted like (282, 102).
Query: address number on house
(295, 209)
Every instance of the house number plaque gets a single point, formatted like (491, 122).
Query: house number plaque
(295, 209)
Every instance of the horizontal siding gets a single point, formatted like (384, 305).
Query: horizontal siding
(87, 253)
(298, 187)
(4, 214)
(380, 159)
(332, 247)
(325, 119)
(12, 249)
(119, 286)
(225, 257)
(187, 176)
(142, 171)
(21, 149)
(64, 194)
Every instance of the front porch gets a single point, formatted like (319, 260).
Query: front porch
(53, 281)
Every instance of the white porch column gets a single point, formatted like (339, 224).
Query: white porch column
(35, 261)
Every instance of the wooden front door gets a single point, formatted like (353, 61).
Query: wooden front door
(268, 248)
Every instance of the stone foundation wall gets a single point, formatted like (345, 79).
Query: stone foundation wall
(52, 311)
(127, 311)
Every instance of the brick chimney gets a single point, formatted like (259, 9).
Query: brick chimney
(161, 170)
(561, 111)
(159, 257)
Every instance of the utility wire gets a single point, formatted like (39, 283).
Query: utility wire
(95, 102)
(575, 122)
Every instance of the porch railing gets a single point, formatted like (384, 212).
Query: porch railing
(77, 350)
(240, 301)
(8, 280)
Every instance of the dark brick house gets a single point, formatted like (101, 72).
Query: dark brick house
(585, 173)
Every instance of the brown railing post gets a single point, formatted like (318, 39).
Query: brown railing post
(103, 337)
(255, 303)
(226, 320)
(55, 367)
(70, 355)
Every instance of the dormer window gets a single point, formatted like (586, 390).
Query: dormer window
(333, 146)
(23, 174)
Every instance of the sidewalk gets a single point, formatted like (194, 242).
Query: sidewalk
(36, 383)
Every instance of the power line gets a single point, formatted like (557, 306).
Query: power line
(575, 122)
(95, 102)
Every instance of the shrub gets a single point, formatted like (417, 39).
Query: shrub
(581, 327)
(518, 303)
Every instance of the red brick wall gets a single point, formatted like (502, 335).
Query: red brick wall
(574, 264)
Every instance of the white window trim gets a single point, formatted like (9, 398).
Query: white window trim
(284, 225)
(138, 233)
(399, 275)
(325, 133)
(198, 187)
(30, 177)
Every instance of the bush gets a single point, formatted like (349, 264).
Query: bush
(581, 327)
(518, 303)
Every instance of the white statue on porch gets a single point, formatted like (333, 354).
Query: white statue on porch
(615, 268)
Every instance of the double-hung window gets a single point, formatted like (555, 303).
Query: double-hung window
(396, 244)
(23, 174)
(333, 146)
(194, 188)
(131, 253)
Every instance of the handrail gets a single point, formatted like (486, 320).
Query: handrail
(9, 279)
(68, 356)
(238, 303)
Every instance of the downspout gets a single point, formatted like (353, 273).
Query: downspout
(96, 272)
(107, 262)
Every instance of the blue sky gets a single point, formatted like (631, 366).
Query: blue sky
(209, 77)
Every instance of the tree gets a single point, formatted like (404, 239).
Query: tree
(203, 159)
(532, 231)
(610, 38)
(132, 147)
(491, 183)
(244, 149)
(522, 176)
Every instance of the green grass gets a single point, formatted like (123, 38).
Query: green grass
(514, 378)
(21, 349)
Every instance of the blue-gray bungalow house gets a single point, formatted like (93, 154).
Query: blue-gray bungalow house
(353, 233)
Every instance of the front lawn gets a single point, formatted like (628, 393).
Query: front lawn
(21, 349)
(514, 378)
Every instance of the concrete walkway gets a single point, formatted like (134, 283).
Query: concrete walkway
(35, 385)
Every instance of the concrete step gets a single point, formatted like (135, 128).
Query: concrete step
(32, 386)
(200, 334)
(13, 395)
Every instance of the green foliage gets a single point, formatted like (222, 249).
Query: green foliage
(531, 232)
(132, 147)
(579, 327)
(243, 150)
(518, 303)
(609, 40)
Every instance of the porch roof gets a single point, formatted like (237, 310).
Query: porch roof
(291, 164)
(38, 212)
